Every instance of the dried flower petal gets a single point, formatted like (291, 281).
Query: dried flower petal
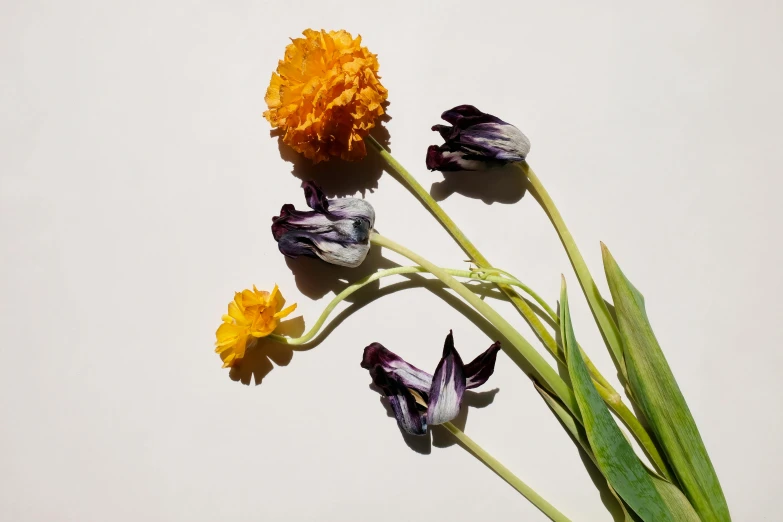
(252, 313)
(326, 95)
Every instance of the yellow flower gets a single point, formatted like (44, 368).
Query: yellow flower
(326, 95)
(252, 313)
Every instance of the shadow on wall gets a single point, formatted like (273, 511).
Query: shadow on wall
(258, 359)
(438, 436)
(337, 177)
(499, 185)
(315, 278)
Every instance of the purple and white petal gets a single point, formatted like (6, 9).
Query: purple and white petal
(409, 418)
(445, 160)
(376, 355)
(301, 243)
(499, 141)
(315, 197)
(482, 367)
(352, 208)
(460, 112)
(336, 231)
(476, 141)
(448, 386)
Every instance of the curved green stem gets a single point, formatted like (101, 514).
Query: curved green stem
(597, 304)
(609, 394)
(547, 376)
(524, 309)
(504, 473)
(467, 246)
(352, 288)
(512, 280)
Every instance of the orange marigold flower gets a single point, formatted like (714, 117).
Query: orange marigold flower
(252, 313)
(325, 95)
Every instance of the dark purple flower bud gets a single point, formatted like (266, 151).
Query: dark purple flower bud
(336, 230)
(418, 398)
(476, 141)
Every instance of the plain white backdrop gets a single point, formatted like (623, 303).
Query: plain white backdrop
(137, 183)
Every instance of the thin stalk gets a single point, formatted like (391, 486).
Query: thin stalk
(358, 285)
(610, 395)
(512, 280)
(503, 472)
(597, 304)
(467, 246)
(547, 376)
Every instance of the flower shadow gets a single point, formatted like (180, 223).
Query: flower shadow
(438, 436)
(337, 177)
(257, 362)
(315, 278)
(500, 185)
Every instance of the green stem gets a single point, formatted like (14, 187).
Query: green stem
(524, 309)
(355, 287)
(512, 280)
(430, 203)
(597, 304)
(467, 246)
(503, 472)
(547, 376)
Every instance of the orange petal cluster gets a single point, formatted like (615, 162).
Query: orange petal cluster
(326, 95)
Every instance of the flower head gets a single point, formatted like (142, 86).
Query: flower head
(336, 230)
(419, 398)
(252, 314)
(326, 95)
(475, 141)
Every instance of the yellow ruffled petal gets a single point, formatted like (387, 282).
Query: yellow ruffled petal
(271, 300)
(252, 314)
(227, 335)
(285, 312)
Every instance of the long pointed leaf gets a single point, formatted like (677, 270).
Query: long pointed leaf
(656, 392)
(614, 455)
(577, 432)
(678, 504)
(673, 497)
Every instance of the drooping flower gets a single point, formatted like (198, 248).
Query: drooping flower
(252, 314)
(336, 230)
(326, 95)
(475, 141)
(419, 398)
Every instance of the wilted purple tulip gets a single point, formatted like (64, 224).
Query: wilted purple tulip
(475, 141)
(336, 230)
(419, 398)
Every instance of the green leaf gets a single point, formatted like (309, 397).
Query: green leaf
(578, 435)
(614, 455)
(678, 504)
(672, 496)
(656, 392)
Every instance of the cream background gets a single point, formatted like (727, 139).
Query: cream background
(137, 178)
